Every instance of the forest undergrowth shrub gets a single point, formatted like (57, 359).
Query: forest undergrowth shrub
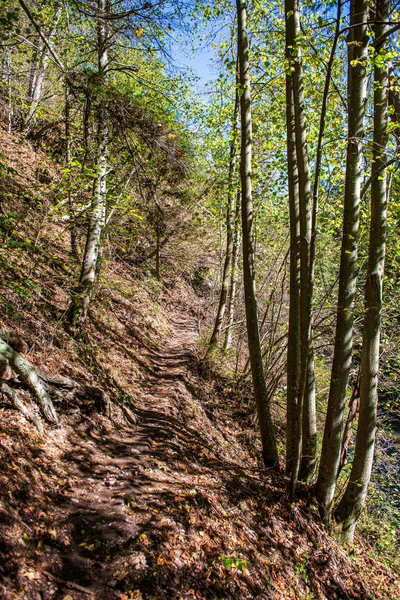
(380, 527)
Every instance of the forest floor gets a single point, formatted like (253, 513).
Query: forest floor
(170, 503)
(167, 498)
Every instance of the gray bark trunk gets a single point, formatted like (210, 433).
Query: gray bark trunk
(293, 353)
(8, 69)
(68, 159)
(295, 104)
(334, 424)
(233, 276)
(229, 232)
(16, 401)
(309, 424)
(39, 71)
(269, 447)
(309, 450)
(353, 500)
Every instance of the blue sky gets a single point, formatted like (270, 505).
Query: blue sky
(200, 62)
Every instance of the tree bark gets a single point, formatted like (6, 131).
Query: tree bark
(16, 401)
(334, 424)
(226, 274)
(309, 423)
(8, 69)
(353, 500)
(39, 71)
(301, 189)
(68, 159)
(269, 447)
(309, 449)
(293, 354)
(233, 276)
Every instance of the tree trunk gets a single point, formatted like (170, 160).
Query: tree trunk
(334, 424)
(233, 276)
(158, 253)
(293, 353)
(353, 500)
(83, 295)
(351, 417)
(309, 449)
(309, 423)
(300, 194)
(226, 275)
(8, 69)
(68, 160)
(19, 404)
(39, 71)
(270, 451)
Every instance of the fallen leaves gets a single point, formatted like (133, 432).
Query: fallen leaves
(131, 595)
(87, 546)
(120, 575)
(31, 575)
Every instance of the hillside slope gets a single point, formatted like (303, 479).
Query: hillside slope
(166, 497)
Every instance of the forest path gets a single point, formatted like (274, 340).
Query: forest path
(135, 501)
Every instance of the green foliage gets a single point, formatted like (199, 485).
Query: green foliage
(233, 563)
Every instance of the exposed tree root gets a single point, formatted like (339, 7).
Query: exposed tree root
(16, 401)
(28, 374)
(68, 584)
(59, 387)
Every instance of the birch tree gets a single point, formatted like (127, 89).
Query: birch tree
(39, 68)
(83, 294)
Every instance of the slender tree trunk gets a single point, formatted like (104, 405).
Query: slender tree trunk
(309, 450)
(229, 231)
(83, 295)
(334, 424)
(270, 451)
(351, 416)
(39, 71)
(158, 253)
(353, 500)
(68, 160)
(295, 105)
(309, 423)
(293, 353)
(8, 70)
(233, 276)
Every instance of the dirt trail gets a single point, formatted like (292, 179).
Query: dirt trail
(124, 481)
(129, 513)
